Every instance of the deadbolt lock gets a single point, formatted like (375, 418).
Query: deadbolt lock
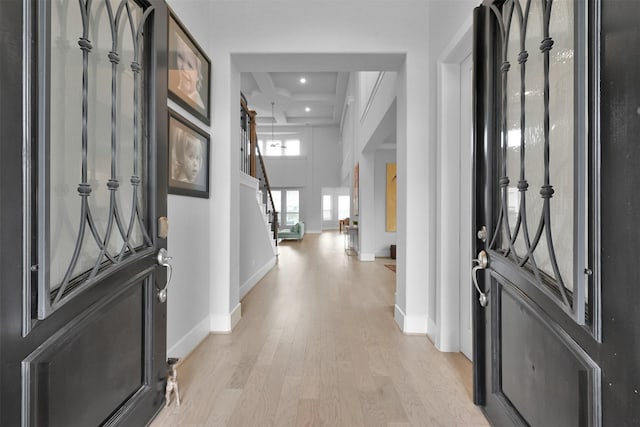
(163, 227)
(482, 233)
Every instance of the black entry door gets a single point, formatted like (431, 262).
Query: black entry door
(83, 160)
(537, 192)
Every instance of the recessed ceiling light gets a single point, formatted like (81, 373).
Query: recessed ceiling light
(307, 109)
(303, 80)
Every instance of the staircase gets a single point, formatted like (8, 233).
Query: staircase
(268, 220)
(250, 152)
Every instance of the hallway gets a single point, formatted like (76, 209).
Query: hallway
(318, 345)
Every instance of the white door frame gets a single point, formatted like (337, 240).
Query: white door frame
(447, 334)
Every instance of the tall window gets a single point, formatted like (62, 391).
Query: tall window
(287, 203)
(292, 211)
(290, 147)
(326, 208)
(343, 207)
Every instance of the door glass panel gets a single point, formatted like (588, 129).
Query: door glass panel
(293, 207)
(512, 134)
(66, 138)
(537, 157)
(561, 138)
(96, 111)
(534, 136)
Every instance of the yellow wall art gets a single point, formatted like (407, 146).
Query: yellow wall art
(392, 179)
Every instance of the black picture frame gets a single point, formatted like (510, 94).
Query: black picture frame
(187, 142)
(189, 71)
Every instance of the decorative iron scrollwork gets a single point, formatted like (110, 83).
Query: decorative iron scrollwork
(519, 242)
(124, 226)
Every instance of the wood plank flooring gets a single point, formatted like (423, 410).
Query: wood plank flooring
(317, 346)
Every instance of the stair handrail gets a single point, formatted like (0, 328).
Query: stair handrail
(274, 212)
(254, 149)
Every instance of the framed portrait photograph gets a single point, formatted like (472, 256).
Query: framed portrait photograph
(189, 72)
(189, 156)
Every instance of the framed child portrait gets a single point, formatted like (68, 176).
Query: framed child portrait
(188, 158)
(189, 72)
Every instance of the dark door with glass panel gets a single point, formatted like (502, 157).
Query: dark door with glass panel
(83, 159)
(537, 315)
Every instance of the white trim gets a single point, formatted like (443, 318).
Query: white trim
(366, 257)
(456, 51)
(398, 316)
(444, 331)
(313, 231)
(248, 181)
(410, 325)
(256, 277)
(384, 253)
(190, 340)
(236, 315)
(220, 323)
(374, 91)
(345, 109)
(415, 325)
(433, 333)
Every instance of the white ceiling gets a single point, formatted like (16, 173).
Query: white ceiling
(323, 94)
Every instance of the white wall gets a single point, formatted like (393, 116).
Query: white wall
(325, 172)
(318, 166)
(256, 249)
(347, 137)
(447, 22)
(287, 171)
(372, 134)
(188, 292)
(188, 307)
(383, 238)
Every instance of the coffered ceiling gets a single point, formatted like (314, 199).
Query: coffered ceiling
(315, 98)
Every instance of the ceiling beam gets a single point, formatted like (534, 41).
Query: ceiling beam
(268, 90)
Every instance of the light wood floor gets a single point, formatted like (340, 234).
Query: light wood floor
(317, 345)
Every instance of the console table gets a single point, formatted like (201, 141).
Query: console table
(351, 240)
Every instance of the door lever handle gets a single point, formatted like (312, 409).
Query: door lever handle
(163, 259)
(482, 262)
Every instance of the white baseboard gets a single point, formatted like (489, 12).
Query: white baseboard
(398, 316)
(220, 324)
(312, 231)
(366, 256)
(255, 278)
(236, 315)
(415, 325)
(410, 325)
(224, 323)
(187, 343)
(433, 333)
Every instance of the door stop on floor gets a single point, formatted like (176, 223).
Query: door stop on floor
(172, 382)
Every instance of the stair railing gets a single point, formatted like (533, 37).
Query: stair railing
(249, 148)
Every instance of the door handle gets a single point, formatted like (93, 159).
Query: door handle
(163, 259)
(482, 263)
